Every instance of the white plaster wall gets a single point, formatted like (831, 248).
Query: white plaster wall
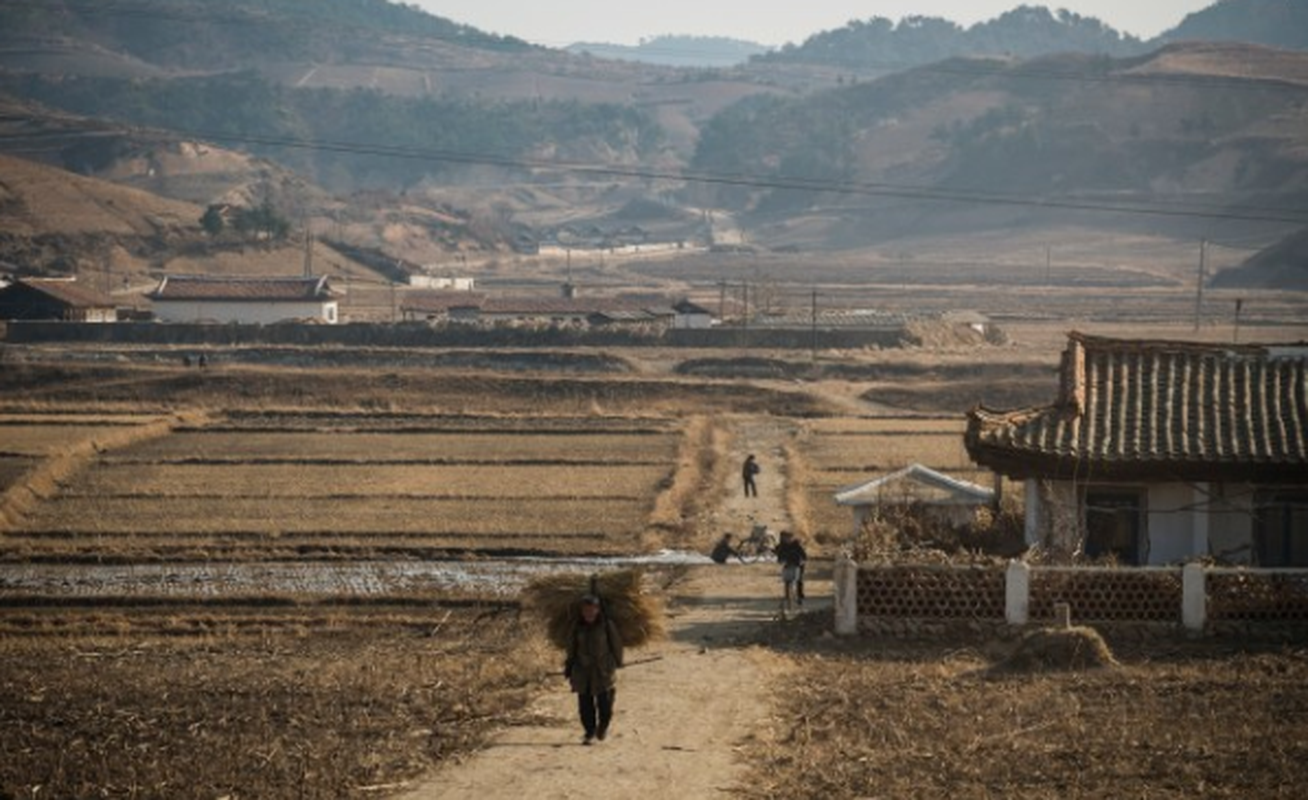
(243, 313)
(1171, 520)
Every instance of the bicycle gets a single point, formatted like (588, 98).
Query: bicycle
(759, 545)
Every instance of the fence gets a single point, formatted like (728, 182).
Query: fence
(1195, 597)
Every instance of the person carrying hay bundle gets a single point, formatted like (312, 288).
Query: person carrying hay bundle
(593, 620)
(594, 658)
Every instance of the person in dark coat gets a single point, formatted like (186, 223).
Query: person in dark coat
(793, 558)
(724, 550)
(594, 657)
(747, 472)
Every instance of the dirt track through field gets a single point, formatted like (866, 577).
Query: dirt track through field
(684, 705)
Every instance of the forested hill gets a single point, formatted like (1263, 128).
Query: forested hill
(1276, 23)
(879, 45)
(1024, 32)
(216, 34)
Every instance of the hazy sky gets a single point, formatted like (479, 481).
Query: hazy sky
(563, 22)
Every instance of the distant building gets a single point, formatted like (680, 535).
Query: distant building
(938, 497)
(690, 315)
(62, 299)
(245, 300)
(426, 281)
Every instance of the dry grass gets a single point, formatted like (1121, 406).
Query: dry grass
(492, 444)
(333, 713)
(697, 482)
(905, 721)
(635, 610)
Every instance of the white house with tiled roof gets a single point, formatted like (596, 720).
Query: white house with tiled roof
(1158, 452)
(245, 300)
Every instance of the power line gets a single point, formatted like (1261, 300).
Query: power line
(856, 188)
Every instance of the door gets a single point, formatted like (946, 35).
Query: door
(1114, 524)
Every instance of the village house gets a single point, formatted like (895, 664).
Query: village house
(245, 300)
(1160, 452)
(58, 299)
(691, 316)
(937, 497)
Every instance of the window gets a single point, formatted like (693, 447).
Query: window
(1113, 524)
(1281, 528)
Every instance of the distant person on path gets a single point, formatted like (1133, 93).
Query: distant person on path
(793, 558)
(725, 549)
(747, 472)
(594, 656)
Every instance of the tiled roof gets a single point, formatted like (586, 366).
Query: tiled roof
(69, 292)
(1167, 410)
(243, 289)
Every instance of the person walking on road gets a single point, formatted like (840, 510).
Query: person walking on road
(594, 657)
(747, 472)
(793, 558)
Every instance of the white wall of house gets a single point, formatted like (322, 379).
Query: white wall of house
(1176, 523)
(1182, 520)
(693, 321)
(246, 313)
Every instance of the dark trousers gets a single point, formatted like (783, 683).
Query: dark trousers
(596, 711)
(750, 489)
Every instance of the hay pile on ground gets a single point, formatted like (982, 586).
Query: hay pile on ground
(1061, 648)
(557, 600)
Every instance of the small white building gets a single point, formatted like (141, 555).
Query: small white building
(245, 300)
(940, 498)
(691, 315)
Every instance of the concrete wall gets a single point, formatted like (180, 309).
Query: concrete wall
(252, 313)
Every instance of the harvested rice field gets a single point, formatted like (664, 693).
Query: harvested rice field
(270, 486)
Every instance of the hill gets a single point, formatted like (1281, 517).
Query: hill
(53, 222)
(1187, 131)
(1276, 23)
(676, 51)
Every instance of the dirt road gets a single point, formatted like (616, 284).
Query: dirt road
(684, 705)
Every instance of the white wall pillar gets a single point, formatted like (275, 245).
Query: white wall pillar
(845, 582)
(1194, 597)
(1017, 593)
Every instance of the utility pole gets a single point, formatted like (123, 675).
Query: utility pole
(813, 329)
(1199, 284)
(1239, 303)
(1049, 266)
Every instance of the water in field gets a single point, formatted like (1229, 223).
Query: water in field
(500, 577)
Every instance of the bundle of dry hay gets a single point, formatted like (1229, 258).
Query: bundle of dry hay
(557, 599)
(1073, 647)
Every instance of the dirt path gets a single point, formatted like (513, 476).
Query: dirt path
(684, 705)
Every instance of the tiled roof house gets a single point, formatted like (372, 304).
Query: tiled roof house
(1157, 452)
(245, 300)
(55, 299)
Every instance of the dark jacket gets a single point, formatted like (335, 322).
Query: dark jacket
(792, 553)
(594, 656)
(723, 551)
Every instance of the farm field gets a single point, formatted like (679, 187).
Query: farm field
(315, 588)
(339, 489)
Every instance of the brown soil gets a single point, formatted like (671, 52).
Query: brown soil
(686, 705)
